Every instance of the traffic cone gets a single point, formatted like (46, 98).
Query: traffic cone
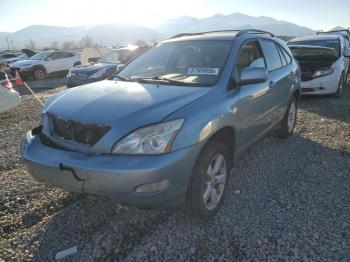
(19, 81)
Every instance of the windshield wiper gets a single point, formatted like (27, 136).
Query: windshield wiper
(160, 78)
(122, 78)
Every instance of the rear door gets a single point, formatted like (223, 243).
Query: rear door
(69, 60)
(279, 78)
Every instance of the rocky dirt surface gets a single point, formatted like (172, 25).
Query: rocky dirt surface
(287, 200)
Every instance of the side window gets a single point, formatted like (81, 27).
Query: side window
(272, 57)
(56, 55)
(68, 54)
(250, 55)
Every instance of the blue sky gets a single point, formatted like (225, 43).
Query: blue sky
(17, 14)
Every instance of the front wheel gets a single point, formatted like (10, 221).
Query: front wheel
(209, 180)
(39, 74)
(339, 92)
(288, 123)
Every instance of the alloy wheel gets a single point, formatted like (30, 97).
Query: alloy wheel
(215, 183)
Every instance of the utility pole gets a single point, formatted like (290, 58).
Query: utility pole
(13, 47)
(8, 45)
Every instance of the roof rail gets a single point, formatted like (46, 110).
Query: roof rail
(253, 31)
(237, 31)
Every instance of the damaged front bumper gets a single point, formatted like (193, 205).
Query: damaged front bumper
(113, 176)
(320, 86)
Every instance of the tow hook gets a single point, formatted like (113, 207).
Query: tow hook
(67, 168)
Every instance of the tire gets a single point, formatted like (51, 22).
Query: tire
(288, 122)
(39, 73)
(339, 91)
(202, 187)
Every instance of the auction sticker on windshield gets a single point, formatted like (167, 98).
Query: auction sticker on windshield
(203, 71)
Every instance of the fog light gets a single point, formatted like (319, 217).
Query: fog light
(153, 187)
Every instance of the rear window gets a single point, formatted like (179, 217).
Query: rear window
(272, 56)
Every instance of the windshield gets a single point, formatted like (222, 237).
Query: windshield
(187, 63)
(22, 56)
(332, 43)
(111, 58)
(39, 56)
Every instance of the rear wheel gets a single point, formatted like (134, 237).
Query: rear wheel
(339, 92)
(288, 123)
(39, 74)
(208, 183)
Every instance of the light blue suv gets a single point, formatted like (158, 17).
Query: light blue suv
(166, 129)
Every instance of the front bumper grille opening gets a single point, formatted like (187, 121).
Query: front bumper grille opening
(81, 133)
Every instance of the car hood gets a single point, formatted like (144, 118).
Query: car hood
(311, 51)
(25, 62)
(122, 105)
(92, 67)
(12, 60)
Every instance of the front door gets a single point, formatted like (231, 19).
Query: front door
(254, 106)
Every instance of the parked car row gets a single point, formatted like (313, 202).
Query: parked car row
(166, 125)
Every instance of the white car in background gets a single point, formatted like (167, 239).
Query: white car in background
(46, 63)
(9, 98)
(324, 62)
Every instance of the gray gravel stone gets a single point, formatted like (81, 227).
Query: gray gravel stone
(287, 200)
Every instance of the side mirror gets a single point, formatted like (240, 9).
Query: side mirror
(120, 67)
(253, 75)
(48, 59)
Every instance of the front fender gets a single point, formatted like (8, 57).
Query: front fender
(205, 117)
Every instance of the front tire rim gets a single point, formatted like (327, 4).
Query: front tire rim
(39, 74)
(291, 117)
(215, 182)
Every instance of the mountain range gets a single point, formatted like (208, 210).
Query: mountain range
(109, 34)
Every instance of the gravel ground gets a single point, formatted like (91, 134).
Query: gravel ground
(288, 200)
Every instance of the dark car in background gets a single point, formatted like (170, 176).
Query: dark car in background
(105, 67)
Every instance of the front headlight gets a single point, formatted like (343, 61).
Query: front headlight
(99, 73)
(150, 140)
(323, 72)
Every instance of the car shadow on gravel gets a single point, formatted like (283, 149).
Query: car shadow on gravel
(329, 106)
(286, 200)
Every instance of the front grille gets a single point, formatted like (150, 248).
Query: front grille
(81, 133)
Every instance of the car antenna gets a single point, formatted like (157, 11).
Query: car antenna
(19, 81)
(33, 93)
